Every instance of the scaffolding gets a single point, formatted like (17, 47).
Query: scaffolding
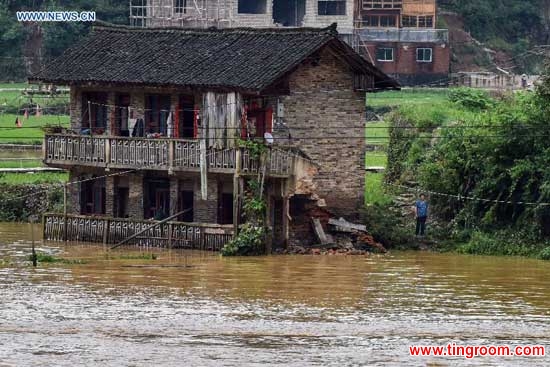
(180, 13)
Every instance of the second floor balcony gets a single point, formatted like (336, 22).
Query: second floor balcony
(172, 155)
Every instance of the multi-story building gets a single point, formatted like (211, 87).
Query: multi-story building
(401, 38)
(157, 114)
(243, 13)
(398, 36)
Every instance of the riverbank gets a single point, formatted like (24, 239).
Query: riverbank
(444, 143)
(21, 198)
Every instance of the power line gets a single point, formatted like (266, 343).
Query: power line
(461, 197)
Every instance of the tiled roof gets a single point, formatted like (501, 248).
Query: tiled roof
(236, 58)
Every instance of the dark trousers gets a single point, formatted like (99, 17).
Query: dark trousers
(420, 226)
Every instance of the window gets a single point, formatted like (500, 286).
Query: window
(425, 22)
(252, 6)
(371, 21)
(384, 54)
(382, 4)
(409, 21)
(412, 21)
(387, 21)
(180, 6)
(331, 7)
(157, 110)
(94, 112)
(92, 196)
(424, 54)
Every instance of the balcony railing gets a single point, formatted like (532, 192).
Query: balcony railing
(403, 35)
(78, 228)
(155, 154)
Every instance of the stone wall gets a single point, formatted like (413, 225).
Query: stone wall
(326, 120)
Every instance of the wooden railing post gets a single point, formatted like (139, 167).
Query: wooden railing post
(65, 225)
(236, 193)
(106, 234)
(107, 153)
(171, 147)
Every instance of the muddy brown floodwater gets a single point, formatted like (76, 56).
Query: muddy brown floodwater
(197, 309)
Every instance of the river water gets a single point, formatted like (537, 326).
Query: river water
(197, 309)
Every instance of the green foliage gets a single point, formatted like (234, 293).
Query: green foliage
(47, 258)
(374, 189)
(249, 242)
(255, 147)
(508, 243)
(471, 99)
(545, 254)
(386, 227)
(57, 36)
(17, 202)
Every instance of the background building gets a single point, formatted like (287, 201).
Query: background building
(401, 38)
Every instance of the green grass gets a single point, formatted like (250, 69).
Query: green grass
(407, 96)
(21, 164)
(374, 189)
(377, 133)
(50, 259)
(13, 85)
(31, 132)
(33, 178)
(376, 159)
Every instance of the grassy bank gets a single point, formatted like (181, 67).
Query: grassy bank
(489, 149)
(12, 105)
(19, 200)
(33, 178)
(31, 132)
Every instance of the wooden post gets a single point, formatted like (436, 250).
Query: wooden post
(170, 235)
(171, 148)
(107, 154)
(65, 225)
(90, 118)
(106, 234)
(33, 251)
(286, 219)
(236, 192)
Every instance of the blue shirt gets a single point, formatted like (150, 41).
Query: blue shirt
(421, 208)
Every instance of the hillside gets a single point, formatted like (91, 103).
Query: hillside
(489, 33)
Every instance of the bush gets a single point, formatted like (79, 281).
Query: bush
(386, 227)
(545, 254)
(249, 242)
(499, 243)
(471, 99)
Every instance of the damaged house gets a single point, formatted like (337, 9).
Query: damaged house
(158, 120)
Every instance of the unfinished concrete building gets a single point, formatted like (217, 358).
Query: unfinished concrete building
(243, 13)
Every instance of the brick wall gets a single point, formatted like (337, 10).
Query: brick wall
(135, 196)
(407, 69)
(206, 210)
(326, 119)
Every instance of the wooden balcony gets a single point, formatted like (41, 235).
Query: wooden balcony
(155, 154)
(110, 231)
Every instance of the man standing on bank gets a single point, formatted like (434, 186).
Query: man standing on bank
(421, 214)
